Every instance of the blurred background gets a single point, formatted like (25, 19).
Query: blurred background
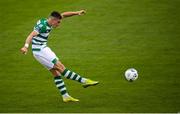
(113, 36)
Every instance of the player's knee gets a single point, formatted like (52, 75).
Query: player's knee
(62, 68)
(54, 72)
(59, 66)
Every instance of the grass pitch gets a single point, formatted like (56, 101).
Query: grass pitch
(114, 36)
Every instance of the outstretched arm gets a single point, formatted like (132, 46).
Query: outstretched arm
(69, 14)
(24, 49)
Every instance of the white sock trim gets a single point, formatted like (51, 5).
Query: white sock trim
(83, 80)
(67, 73)
(72, 75)
(61, 84)
(65, 95)
(57, 80)
(62, 89)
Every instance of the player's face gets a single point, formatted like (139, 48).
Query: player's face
(56, 22)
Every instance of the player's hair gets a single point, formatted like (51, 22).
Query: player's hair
(56, 15)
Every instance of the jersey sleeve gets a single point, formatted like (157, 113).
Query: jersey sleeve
(39, 27)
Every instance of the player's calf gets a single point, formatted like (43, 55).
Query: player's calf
(67, 73)
(74, 76)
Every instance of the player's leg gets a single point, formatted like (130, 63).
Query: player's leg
(72, 75)
(47, 58)
(54, 63)
(67, 73)
(59, 83)
(61, 86)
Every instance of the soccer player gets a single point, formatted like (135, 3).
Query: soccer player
(43, 54)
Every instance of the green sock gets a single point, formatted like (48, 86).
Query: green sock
(73, 76)
(61, 86)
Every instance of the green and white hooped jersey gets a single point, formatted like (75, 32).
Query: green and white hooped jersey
(40, 40)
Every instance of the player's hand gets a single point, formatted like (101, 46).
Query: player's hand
(81, 12)
(24, 50)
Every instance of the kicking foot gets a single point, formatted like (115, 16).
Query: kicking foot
(70, 99)
(89, 82)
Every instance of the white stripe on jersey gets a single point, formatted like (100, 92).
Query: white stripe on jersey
(38, 46)
(39, 38)
(36, 42)
(44, 34)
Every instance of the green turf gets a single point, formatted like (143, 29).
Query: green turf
(114, 36)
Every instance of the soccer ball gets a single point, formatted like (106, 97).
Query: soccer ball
(131, 74)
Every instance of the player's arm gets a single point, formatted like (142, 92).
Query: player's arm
(70, 13)
(24, 49)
